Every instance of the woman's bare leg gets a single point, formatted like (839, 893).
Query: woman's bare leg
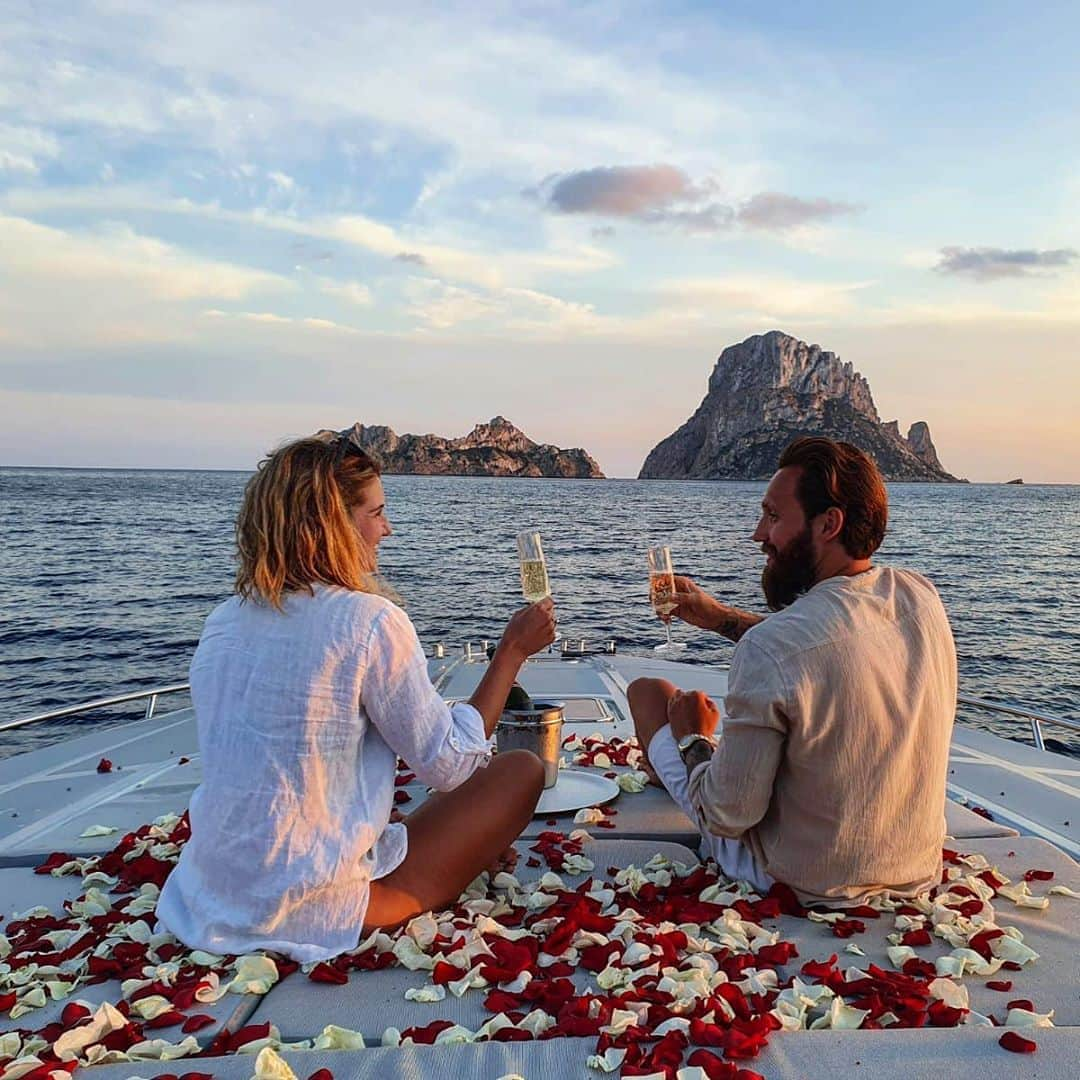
(648, 700)
(457, 834)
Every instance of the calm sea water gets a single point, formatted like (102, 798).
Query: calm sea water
(106, 576)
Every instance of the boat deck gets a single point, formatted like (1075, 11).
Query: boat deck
(50, 797)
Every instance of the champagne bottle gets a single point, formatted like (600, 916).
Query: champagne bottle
(517, 698)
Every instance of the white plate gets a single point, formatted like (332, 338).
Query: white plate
(574, 790)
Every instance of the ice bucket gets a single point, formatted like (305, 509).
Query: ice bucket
(538, 729)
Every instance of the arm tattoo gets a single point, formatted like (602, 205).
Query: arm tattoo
(697, 754)
(735, 623)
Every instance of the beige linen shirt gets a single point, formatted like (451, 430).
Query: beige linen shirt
(834, 749)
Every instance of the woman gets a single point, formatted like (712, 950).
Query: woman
(307, 686)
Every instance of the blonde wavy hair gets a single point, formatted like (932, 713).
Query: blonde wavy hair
(294, 528)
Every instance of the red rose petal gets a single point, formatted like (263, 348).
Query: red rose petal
(104, 765)
(196, 1023)
(1038, 875)
(1001, 985)
(1021, 1003)
(1017, 1044)
(916, 938)
(321, 1074)
(326, 973)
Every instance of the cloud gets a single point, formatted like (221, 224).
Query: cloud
(355, 292)
(762, 298)
(23, 149)
(664, 194)
(274, 319)
(648, 193)
(413, 257)
(774, 210)
(113, 284)
(990, 264)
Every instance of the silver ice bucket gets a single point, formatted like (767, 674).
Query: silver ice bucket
(538, 729)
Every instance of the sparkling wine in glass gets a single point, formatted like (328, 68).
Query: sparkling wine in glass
(662, 590)
(534, 576)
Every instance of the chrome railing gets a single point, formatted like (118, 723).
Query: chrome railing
(1035, 719)
(102, 703)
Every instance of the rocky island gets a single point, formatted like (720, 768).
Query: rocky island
(496, 448)
(768, 390)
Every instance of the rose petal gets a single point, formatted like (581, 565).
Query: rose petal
(1017, 1044)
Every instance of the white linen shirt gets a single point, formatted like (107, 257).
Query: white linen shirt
(301, 715)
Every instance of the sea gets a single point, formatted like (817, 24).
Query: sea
(106, 575)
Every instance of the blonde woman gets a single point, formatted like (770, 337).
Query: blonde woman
(307, 687)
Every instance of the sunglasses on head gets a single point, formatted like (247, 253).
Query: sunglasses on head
(347, 444)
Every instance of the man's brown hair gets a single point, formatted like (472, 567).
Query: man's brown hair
(841, 475)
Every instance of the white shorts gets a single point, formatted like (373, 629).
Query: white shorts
(732, 856)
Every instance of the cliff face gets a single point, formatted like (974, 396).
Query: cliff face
(770, 389)
(493, 449)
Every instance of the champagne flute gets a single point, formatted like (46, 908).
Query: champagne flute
(534, 576)
(661, 592)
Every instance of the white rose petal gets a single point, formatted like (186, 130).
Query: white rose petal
(97, 830)
(633, 782)
(270, 1065)
(423, 930)
(163, 1050)
(455, 1034)
(333, 1037)
(21, 1066)
(1023, 1018)
(590, 815)
(104, 1021)
(954, 995)
(255, 974)
(621, 1019)
(607, 1062)
(899, 955)
(411, 956)
(425, 994)
(1063, 890)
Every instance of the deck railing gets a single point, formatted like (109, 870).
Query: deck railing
(102, 703)
(1035, 719)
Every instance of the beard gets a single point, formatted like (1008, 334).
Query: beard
(791, 573)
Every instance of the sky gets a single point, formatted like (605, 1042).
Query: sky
(227, 224)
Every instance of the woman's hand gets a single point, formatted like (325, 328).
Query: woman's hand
(530, 629)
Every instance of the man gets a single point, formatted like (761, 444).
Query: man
(829, 772)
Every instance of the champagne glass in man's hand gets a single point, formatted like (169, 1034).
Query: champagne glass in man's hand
(662, 592)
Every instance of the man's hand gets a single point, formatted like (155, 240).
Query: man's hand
(692, 712)
(696, 607)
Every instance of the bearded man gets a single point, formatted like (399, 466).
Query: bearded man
(828, 772)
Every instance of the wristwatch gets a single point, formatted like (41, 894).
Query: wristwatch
(693, 739)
